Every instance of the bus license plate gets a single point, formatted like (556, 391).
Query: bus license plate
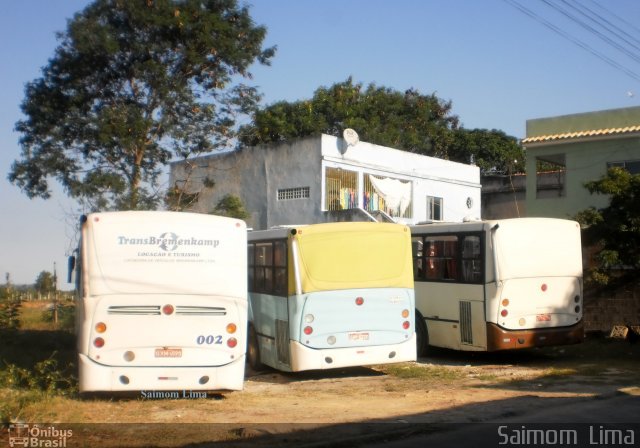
(358, 336)
(168, 353)
(543, 318)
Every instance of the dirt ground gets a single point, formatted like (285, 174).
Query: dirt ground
(349, 405)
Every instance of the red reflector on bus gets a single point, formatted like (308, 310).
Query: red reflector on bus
(167, 309)
(308, 330)
(543, 287)
(406, 324)
(98, 342)
(232, 342)
(504, 313)
(359, 301)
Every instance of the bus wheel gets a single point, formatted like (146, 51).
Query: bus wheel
(253, 351)
(422, 335)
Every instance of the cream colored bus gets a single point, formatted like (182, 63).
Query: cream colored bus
(498, 285)
(161, 302)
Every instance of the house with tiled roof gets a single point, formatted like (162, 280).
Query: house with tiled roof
(565, 152)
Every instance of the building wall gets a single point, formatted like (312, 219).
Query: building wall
(256, 174)
(585, 161)
(503, 196)
(587, 141)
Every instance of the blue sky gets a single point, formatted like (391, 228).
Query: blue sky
(497, 65)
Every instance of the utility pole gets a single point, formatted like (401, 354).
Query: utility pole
(55, 294)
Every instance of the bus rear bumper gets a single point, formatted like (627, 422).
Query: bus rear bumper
(500, 339)
(305, 358)
(94, 377)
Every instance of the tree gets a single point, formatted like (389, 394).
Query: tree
(231, 206)
(45, 283)
(132, 85)
(405, 120)
(614, 230)
(492, 150)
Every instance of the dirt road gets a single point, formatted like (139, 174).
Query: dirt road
(357, 404)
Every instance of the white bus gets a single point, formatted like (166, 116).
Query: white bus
(333, 295)
(161, 302)
(498, 285)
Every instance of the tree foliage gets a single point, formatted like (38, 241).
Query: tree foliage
(614, 230)
(45, 283)
(231, 206)
(132, 85)
(492, 150)
(408, 120)
(405, 120)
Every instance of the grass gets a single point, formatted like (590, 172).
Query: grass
(422, 372)
(37, 361)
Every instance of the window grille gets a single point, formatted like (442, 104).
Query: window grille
(373, 199)
(285, 194)
(341, 189)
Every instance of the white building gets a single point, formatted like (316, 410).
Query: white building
(323, 179)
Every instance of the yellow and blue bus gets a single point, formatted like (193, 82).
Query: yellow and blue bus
(331, 295)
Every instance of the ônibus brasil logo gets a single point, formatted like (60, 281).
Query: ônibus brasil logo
(167, 241)
(26, 435)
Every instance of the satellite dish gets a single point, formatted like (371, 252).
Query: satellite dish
(351, 137)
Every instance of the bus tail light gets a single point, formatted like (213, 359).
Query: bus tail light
(231, 328)
(308, 330)
(504, 312)
(359, 301)
(167, 309)
(405, 313)
(101, 327)
(98, 342)
(232, 342)
(406, 324)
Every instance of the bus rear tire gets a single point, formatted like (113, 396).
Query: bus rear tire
(422, 336)
(253, 351)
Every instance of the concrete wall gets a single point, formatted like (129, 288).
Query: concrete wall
(605, 309)
(256, 174)
(503, 196)
(585, 161)
(585, 157)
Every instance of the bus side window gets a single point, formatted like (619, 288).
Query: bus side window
(264, 265)
(471, 260)
(418, 260)
(280, 268)
(441, 254)
(251, 267)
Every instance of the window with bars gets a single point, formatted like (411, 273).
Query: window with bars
(551, 172)
(389, 195)
(341, 188)
(285, 194)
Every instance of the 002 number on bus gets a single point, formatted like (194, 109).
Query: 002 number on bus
(208, 339)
